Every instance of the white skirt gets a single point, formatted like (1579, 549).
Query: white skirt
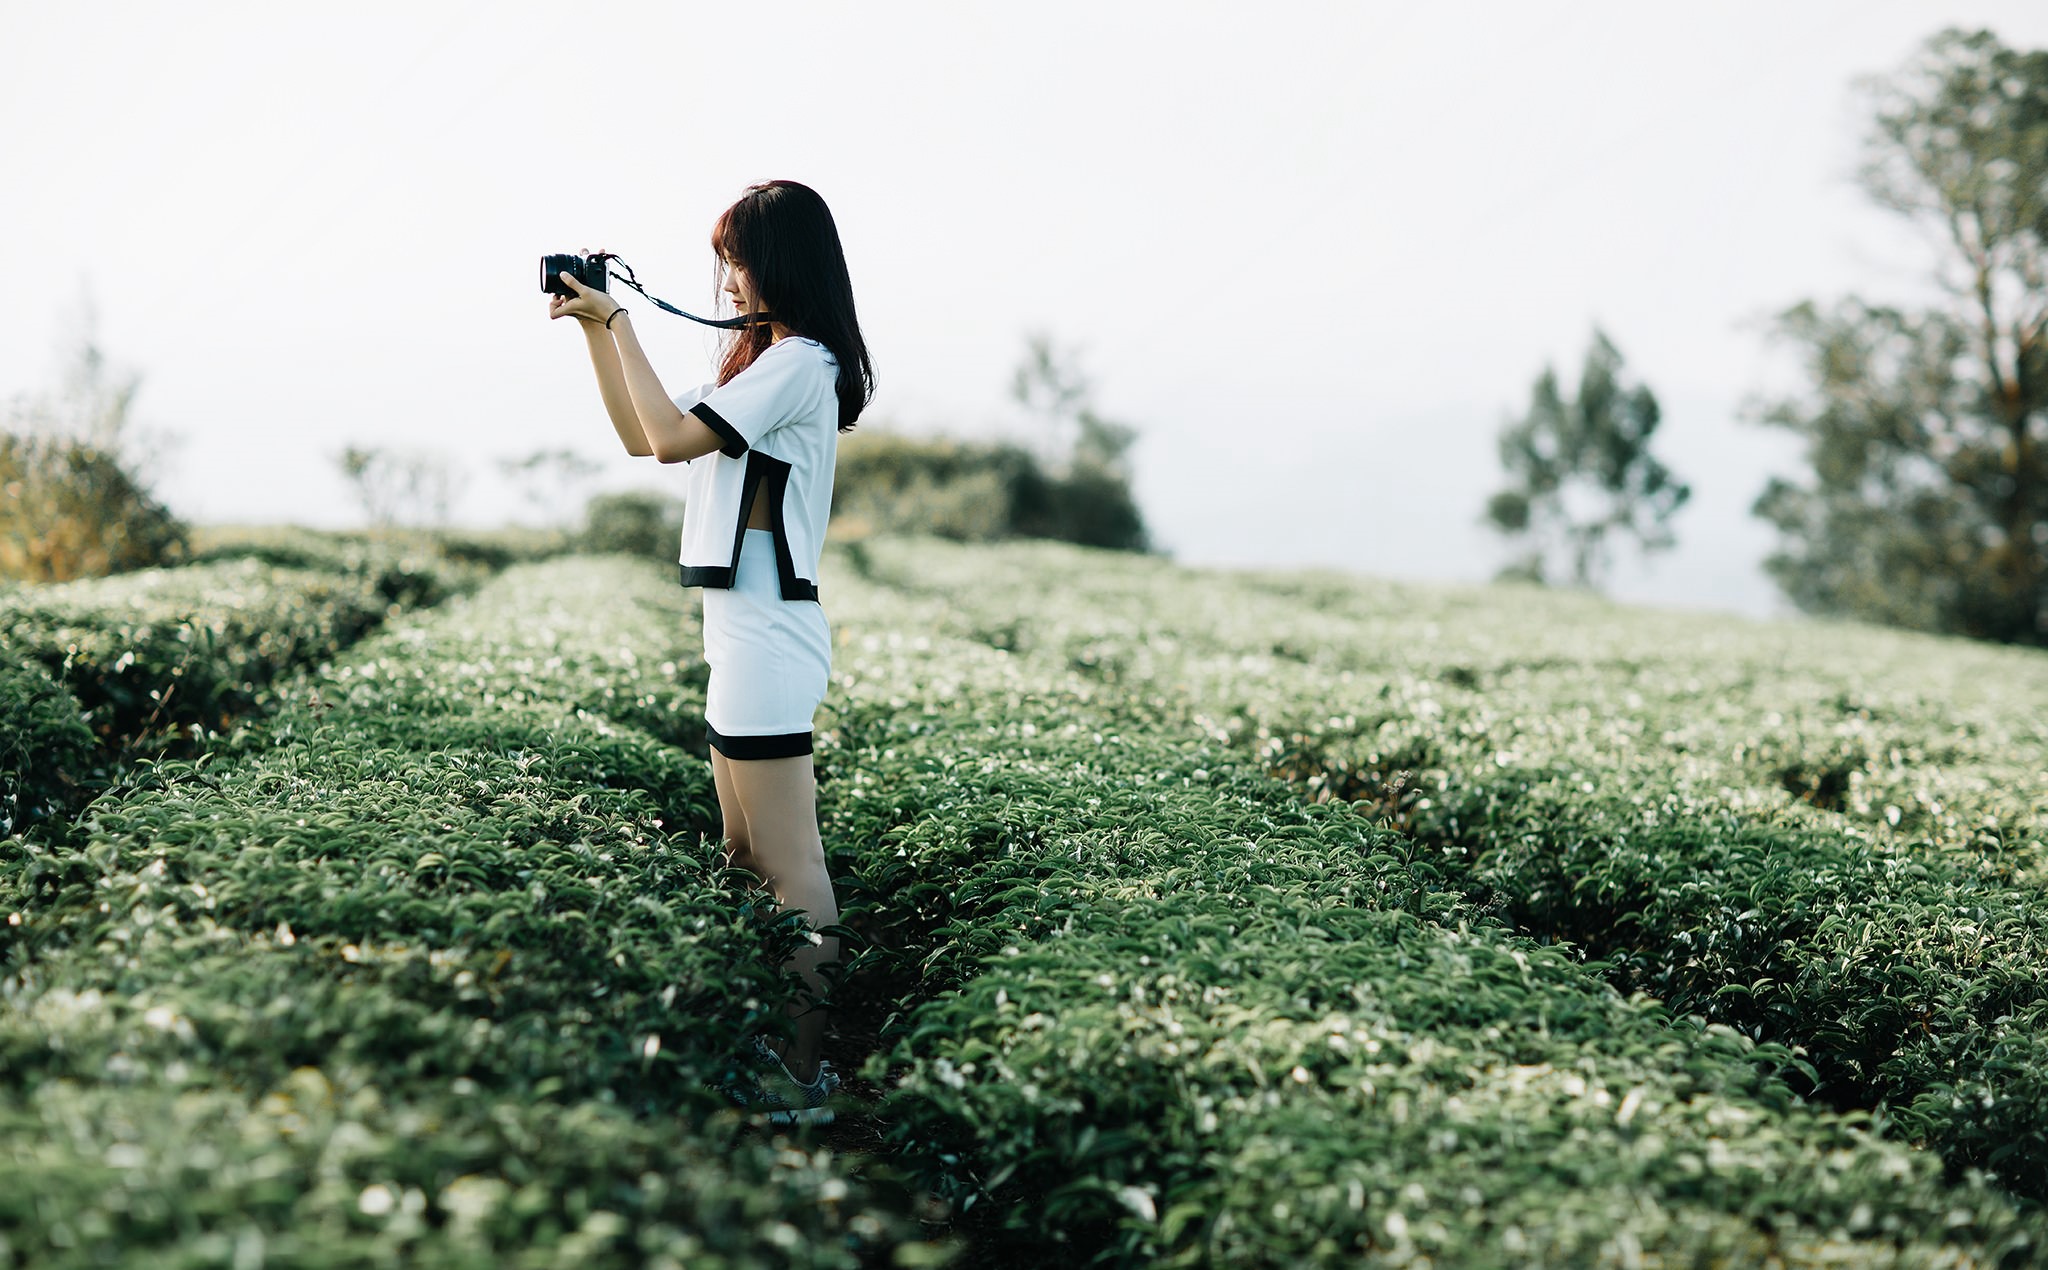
(770, 659)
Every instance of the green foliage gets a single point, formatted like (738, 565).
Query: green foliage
(1093, 506)
(634, 523)
(73, 510)
(407, 569)
(1579, 470)
(1830, 836)
(1198, 919)
(335, 1170)
(468, 551)
(285, 546)
(1076, 488)
(1090, 495)
(432, 966)
(1166, 1009)
(75, 504)
(46, 750)
(1929, 503)
(501, 548)
(158, 660)
(966, 491)
(977, 492)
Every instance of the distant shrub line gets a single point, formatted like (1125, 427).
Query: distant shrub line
(974, 491)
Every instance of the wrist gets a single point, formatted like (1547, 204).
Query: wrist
(616, 316)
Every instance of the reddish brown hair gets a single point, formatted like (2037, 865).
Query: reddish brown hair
(783, 235)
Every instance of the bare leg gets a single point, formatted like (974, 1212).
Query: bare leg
(780, 800)
(738, 843)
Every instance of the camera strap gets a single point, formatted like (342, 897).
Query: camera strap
(744, 319)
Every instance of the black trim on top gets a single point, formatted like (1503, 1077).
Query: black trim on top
(735, 444)
(774, 473)
(750, 487)
(781, 745)
(793, 587)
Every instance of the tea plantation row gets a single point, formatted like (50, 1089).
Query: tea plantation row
(431, 968)
(1826, 835)
(1175, 1012)
(96, 673)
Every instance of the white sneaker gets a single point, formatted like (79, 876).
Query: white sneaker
(781, 1095)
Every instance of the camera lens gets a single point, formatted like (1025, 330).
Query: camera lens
(551, 267)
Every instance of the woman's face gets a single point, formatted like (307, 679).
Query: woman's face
(739, 286)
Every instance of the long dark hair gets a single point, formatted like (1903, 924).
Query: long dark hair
(782, 234)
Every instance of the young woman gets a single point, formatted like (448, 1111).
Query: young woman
(761, 441)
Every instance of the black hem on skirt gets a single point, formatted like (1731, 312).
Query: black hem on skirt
(780, 745)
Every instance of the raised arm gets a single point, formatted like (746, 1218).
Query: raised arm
(611, 384)
(673, 435)
(648, 423)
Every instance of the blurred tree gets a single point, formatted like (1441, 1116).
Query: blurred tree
(1074, 487)
(75, 504)
(414, 488)
(1091, 500)
(550, 480)
(366, 470)
(1047, 384)
(1579, 470)
(1929, 507)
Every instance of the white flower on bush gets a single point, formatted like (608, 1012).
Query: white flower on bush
(1139, 1201)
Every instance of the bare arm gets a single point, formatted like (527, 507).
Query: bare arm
(648, 423)
(611, 384)
(672, 435)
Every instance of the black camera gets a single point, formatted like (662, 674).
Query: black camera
(588, 270)
(593, 270)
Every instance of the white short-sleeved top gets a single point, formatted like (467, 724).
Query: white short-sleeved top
(779, 419)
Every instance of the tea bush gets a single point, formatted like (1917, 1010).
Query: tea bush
(45, 748)
(159, 653)
(1830, 836)
(1162, 1010)
(640, 523)
(431, 963)
(458, 552)
(1204, 918)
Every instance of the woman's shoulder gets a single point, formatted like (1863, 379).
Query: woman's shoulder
(801, 359)
(801, 346)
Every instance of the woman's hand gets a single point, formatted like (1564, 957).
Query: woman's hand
(587, 305)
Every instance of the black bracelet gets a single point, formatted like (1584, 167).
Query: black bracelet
(614, 313)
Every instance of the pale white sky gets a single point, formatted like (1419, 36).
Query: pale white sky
(1316, 253)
